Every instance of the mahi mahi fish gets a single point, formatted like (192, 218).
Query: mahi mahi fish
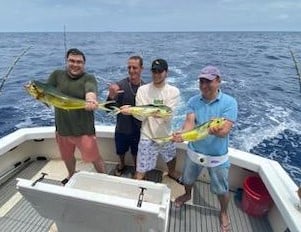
(51, 96)
(161, 111)
(197, 133)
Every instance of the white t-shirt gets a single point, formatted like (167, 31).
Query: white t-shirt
(149, 94)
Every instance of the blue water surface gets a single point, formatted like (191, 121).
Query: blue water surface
(257, 69)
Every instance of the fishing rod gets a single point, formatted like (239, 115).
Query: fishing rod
(296, 67)
(10, 68)
(65, 43)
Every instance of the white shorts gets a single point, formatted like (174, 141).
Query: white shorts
(148, 152)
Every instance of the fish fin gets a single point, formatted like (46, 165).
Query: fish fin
(115, 110)
(106, 105)
(161, 140)
(100, 107)
(46, 104)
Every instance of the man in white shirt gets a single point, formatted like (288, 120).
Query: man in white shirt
(158, 92)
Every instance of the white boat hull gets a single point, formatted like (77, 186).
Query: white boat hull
(21, 144)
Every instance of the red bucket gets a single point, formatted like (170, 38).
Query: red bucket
(256, 200)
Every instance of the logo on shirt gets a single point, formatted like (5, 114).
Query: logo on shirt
(158, 102)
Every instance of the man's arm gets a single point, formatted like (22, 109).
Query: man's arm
(189, 124)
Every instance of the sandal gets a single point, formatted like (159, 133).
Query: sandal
(177, 179)
(64, 181)
(119, 171)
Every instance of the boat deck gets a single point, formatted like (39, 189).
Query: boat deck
(200, 214)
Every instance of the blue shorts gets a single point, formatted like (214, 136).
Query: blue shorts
(148, 153)
(123, 142)
(218, 175)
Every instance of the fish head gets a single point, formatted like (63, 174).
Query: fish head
(217, 122)
(165, 111)
(34, 89)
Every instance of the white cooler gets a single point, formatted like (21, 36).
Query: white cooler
(93, 202)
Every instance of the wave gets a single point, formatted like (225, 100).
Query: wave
(256, 69)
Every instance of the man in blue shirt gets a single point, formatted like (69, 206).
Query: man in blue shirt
(212, 103)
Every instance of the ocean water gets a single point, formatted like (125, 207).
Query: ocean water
(257, 69)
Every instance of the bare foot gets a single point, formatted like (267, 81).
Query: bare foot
(225, 225)
(174, 175)
(182, 199)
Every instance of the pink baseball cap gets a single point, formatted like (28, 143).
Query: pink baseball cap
(209, 72)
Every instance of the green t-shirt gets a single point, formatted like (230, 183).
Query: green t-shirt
(73, 122)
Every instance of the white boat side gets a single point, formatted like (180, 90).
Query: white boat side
(22, 143)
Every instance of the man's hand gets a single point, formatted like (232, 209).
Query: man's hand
(221, 131)
(177, 137)
(125, 109)
(114, 90)
(215, 130)
(91, 102)
(91, 105)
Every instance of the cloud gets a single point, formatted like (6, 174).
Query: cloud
(145, 15)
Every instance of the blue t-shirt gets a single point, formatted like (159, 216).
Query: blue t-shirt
(223, 106)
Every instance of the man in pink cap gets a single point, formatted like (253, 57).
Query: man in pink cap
(211, 103)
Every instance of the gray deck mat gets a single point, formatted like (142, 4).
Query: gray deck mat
(22, 217)
(202, 216)
(240, 221)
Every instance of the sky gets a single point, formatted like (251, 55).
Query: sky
(149, 15)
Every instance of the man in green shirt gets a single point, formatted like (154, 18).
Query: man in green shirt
(76, 128)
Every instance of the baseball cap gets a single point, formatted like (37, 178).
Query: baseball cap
(159, 65)
(209, 72)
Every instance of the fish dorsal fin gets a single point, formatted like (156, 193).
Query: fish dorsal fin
(46, 104)
(153, 105)
(203, 124)
(157, 105)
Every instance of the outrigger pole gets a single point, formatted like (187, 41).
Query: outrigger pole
(65, 43)
(10, 68)
(296, 67)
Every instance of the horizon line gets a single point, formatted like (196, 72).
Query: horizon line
(111, 31)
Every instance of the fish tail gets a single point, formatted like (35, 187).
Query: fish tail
(115, 110)
(100, 107)
(104, 106)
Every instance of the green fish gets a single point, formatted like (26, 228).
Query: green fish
(51, 96)
(197, 133)
(161, 111)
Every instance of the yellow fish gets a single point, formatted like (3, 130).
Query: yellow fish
(161, 111)
(197, 133)
(51, 96)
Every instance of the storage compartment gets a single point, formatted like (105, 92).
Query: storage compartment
(96, 202)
